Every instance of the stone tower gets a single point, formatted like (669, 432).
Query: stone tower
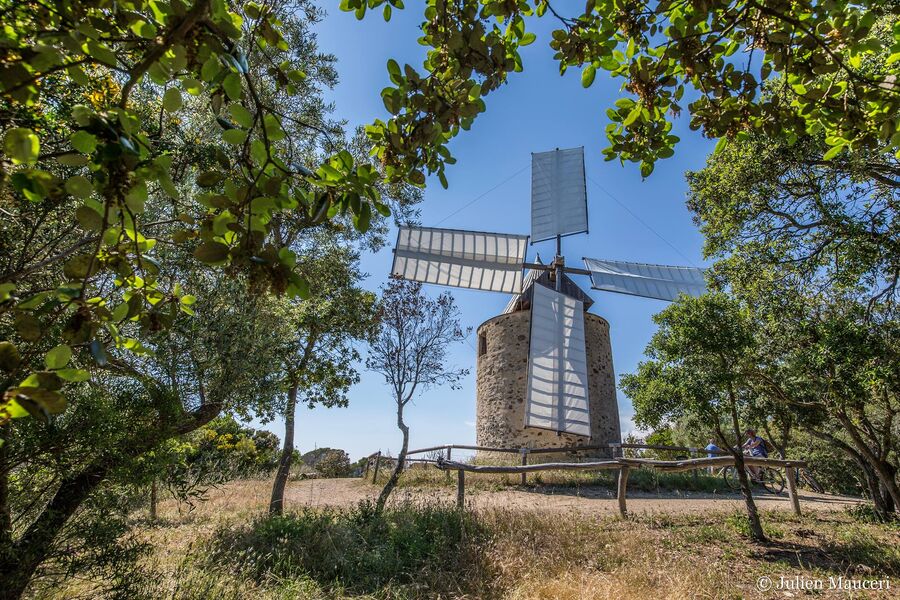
(502, 374)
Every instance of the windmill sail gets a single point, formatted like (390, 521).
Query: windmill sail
(651, 281)
(557, 394)
(558, 195)
(467, 259)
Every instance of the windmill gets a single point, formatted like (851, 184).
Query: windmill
(557, 381)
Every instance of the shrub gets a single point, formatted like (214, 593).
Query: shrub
(359, 550)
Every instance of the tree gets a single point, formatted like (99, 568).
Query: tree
(334, 463)
(318, 363)
(831, 224)
(697, 368)
(144, 246)
(186, 375)
(835, 62)
(106, 159)
(833, 366)
(410, 351)
(809, 245)
(220, 451)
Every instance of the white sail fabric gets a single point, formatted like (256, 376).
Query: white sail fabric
(558, 195)
(530, 276)
(557, 394)
(467, 259)
(639, 279)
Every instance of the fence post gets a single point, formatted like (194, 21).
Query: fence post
(366, 472)
(524, 453)
(460, 488)
(623, 484)
(377, 466)
(449, 449)
(616, 449)
(789, 474)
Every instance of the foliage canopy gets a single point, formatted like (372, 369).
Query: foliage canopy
(836, 63)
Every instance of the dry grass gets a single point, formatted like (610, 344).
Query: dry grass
(226, 549)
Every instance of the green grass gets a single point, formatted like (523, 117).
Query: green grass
(357, 551)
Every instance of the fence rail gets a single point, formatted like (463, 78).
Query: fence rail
(621, 463)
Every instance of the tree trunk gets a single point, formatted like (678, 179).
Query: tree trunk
(28, 553)
(887, 473)
(756, 530)
(398, 468)
(154, 497)
(881, 499)
(276, 504)
(30, 550)
(6, 540)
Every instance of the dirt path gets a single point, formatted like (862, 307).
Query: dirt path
(586, 500)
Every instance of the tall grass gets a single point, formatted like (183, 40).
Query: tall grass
(359, 550)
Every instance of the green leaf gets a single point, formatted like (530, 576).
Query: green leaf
(21, 145)
(210, 179)
(241, 115)
(136, 197)
(363, 218)
(89, 218)
(235, 137)
(14, 409)
(9, 357)
(211, 252)
(721, 144)
(172, 100)
(832, 152)
(527, 39)
(83, 141)
(298, 287)
(646, 168)
(79, 186)
(6, 290)
(80, 266)
(232, 86)
(587, 76)
(74, 375)
(58, 357)
(632, 115)
(28, 327)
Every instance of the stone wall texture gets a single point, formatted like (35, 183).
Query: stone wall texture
(502, 371)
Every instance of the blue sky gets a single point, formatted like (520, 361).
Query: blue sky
(630, 218)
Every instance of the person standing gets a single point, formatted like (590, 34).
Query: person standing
(712, 450)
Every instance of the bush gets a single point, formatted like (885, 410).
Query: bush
(359, 550)
(836, 472)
